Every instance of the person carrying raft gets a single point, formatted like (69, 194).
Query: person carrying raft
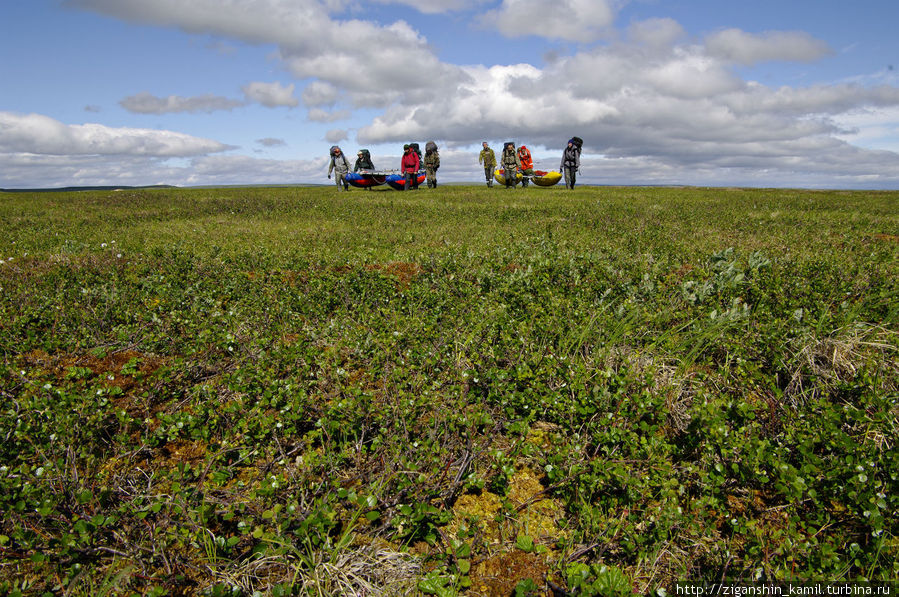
(363, 161)
(432, 163)
(409, 166)
(511, 164)
(571, 161)
(527, 165)
(340, 166)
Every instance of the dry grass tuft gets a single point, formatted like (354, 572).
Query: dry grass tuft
(820, 364)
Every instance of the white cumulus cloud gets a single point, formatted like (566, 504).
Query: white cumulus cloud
(571, 20)
(271, 95)
(319, 93)
(39, 134)
(747, 48)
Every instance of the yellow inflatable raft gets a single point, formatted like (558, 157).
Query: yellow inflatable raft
(546, 179)
(541, 177)
(500, 176)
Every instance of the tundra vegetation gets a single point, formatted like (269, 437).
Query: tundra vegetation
(464, 391)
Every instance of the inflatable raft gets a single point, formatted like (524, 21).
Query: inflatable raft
(366, 179)
(541, 177)
(500, 176)
(546, 179)
(398, 181)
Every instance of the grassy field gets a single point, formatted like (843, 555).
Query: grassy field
(459, 391)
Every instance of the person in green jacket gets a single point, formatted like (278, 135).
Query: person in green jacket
(488, 159)
(431, 163)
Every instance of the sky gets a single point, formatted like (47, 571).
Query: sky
(765, 93)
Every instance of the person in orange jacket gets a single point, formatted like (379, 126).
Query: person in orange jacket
(409, 166)
(527, 164)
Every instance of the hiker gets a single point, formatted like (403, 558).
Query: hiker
(488, 159)
(511, 164)
(432, 163)
(340, 166)
(571, 161)
(363, 161)
(527, 165)
(409, 166)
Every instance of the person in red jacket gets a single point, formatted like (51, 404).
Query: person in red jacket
(409, 167)
(527, 164)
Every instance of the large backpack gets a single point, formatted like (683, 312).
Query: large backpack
(508, 158)
(417, 150)
(365, 160)
(578, 142)
(430, 146)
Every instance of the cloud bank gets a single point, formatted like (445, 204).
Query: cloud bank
(41, 135)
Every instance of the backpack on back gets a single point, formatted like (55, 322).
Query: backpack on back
(416, 149)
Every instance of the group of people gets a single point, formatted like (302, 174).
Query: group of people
(410, 165)
(514, 161)
(519, 161)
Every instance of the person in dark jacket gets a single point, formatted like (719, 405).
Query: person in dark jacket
(363, 161)
(409, 166)
(571, 163)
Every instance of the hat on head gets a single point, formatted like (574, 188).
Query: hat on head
(406, 146)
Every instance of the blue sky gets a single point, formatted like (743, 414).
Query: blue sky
(132, 92)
